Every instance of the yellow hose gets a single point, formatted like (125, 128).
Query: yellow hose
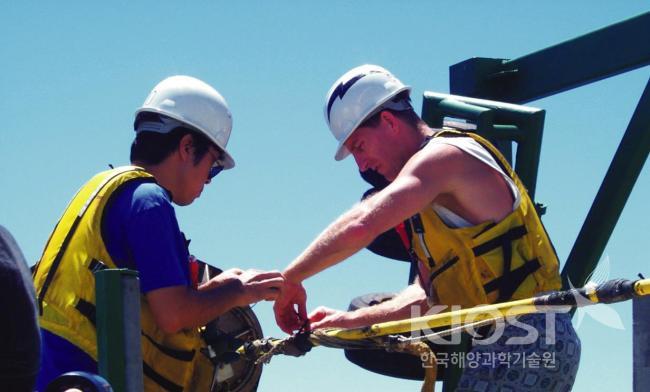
(642, 287)
(470, 315)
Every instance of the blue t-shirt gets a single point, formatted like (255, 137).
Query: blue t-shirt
(140, 231)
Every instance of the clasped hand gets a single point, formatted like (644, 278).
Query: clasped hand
(253, 285)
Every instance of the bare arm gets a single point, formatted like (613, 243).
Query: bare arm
(412, 300)
(426, 175)
(180, 307)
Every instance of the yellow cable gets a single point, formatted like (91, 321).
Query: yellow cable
(642, 287)
(470, 315)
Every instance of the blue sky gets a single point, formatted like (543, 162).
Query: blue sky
(73, 73)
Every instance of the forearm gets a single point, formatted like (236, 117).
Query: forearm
(343, 238)
(181, 307)
(404, 305)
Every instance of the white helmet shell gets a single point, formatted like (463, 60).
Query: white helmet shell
(354, 97)
(196, 104)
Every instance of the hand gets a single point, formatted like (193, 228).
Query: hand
(324, 317)
(253, 285)
(226, 277)
(261, 285)
(286, 316)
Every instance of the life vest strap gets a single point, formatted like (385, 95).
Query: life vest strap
(511, 235)
(181, 355)
(448, 264)
(159, 379)
(418, 228)
(87, 309)
(508, 284)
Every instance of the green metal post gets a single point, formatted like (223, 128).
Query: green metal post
(507, 132)
(608, 205)
(118, 329)
(529, 150)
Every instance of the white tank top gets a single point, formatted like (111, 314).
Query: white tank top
(473, 148)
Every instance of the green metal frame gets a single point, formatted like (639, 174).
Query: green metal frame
(118, 328)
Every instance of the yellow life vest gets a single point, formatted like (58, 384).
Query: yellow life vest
(487, 263)
(65, 286)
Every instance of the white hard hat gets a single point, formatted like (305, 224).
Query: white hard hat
(356, 96)
(195, 103)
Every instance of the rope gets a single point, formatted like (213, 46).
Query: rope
(429, 364)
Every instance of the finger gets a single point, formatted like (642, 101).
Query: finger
(321, 310)
(289, 325)
(262, 275)
(316, 315)
(324, 323)
(276, 283)
(315, 312)
(285, 318)
(302, 309)
(271, 294)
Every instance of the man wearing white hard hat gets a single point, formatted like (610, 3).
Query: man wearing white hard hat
(124, 218)
(470, 227)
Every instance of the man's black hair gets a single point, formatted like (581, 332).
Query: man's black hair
(151, 148)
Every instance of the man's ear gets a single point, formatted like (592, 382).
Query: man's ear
(389, 118)
(185, 146)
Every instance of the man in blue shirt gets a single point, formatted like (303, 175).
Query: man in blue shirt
(181, 135)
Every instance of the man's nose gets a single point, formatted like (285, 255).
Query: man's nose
(362, 163)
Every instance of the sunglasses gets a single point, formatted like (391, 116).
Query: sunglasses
(214, 170)
(218, 165)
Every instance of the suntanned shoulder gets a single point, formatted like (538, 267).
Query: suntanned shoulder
(435, 167)
(456, 179)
